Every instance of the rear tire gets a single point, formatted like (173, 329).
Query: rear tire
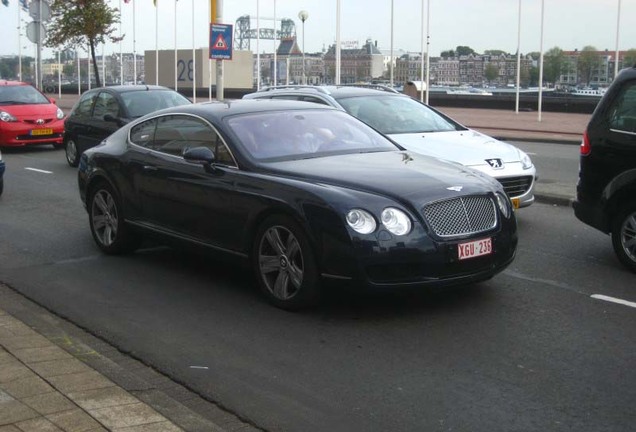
(624, 235)
(71, 152)
(284, 264)
(112, 235)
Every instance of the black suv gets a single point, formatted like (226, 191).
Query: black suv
(606, 190)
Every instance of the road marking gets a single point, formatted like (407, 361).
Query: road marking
(531, 154)
(199, 367)
(39, 170)
(614, 300)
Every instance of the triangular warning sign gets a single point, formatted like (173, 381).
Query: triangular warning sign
(220, 43)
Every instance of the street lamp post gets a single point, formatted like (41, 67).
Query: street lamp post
(303, 15)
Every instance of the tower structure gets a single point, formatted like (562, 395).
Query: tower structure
(244, 32)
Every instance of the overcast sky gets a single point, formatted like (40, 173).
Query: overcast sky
(480, 24)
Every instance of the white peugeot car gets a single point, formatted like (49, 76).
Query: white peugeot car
(422, 129)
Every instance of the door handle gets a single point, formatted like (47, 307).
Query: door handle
(150, 168)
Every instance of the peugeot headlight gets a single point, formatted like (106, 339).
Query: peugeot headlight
(60, 114)
(526, 162)
(6, 117)
(504, 204)
(396, 221)
(361, 221)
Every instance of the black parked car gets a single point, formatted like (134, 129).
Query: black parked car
(606, 190)
(304, 192)
(101, 111)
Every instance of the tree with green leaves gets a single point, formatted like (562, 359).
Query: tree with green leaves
(554, 65)
(588, 63)
(464, 50)
(449, 53)
(491, 72)
(77, 23)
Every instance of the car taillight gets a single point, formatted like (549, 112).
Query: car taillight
(586, 149)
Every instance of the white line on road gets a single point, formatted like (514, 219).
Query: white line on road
(614, 300)
(199, 367)
(39, 170)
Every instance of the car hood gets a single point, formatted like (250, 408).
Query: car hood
(30, 112)
(396, 174)
(468, 147)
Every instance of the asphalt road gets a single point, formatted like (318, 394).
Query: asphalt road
(529, 350)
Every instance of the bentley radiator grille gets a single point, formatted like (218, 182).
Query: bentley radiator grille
(461, 216)
(516, 186)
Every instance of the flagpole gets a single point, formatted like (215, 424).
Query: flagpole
(59, 75)
(422, 57)
(121, 53)
(79, 73)
(275, 44)
(428, 48)
(518, 59)
(391, 61)
(134, 44)
(103, 65)
(176, 71)
(194, 62)
(541, 63)
(258, 51)
(337, 42)
(618, 23)
(157, 42)
(209, 60)
(20, 42)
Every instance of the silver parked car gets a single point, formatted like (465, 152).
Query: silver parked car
(422, 129)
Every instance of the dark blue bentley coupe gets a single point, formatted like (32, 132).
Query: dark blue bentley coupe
(305, 193)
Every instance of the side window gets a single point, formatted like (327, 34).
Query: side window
(143, 133)
(85, 105)
(105, 104)
(177, 133)
(623, 112)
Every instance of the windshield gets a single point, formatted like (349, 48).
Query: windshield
(21, 95)
(302, 134)
(397, 114)
(140, 103)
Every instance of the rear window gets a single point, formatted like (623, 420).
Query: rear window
(140, 103)
(623, 112)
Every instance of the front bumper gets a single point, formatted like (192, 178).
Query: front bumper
(518, 183)
(19, 134)
(391, 262)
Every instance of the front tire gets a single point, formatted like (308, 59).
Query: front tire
(72, 152)
(624, 235)
(106, 220)
(284, 264)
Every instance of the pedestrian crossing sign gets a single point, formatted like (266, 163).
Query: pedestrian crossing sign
(220, 41)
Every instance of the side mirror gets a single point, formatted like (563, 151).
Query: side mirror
(53, 101)
(200, 155)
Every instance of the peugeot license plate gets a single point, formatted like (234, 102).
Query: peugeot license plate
(36, 132)
(474, 248)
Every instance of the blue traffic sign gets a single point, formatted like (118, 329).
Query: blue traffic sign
(220, 41)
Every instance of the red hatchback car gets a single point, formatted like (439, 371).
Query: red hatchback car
(28, 117)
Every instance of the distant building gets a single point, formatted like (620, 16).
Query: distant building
(362, 64)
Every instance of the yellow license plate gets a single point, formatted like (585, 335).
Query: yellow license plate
(515, 203)
(35, 132)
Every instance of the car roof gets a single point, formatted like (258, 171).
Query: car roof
(341, 91)
(13, 83)
(131, 88)
(220, 110)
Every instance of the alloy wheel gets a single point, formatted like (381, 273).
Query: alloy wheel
(280, 261)
(71, 152)
(628, 236)
(104, 217)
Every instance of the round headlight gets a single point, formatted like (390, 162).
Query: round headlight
(6, 117)
(504, 204)
(396, 221)
(361, 221)
(60, 114)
